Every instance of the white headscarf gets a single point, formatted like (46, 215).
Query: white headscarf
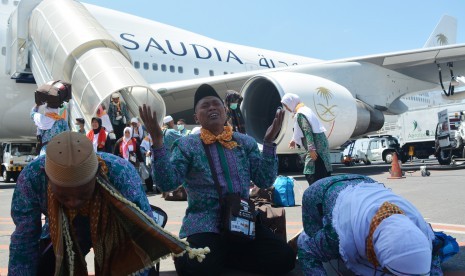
(124, 143)
(130, 134)
(291, 101)
(43, 122)
(355, 207)
(412, 251)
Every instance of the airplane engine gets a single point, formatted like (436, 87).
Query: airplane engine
(342, 115)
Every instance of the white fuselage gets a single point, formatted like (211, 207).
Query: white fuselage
(161, 53)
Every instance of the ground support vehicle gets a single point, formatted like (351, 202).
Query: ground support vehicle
(15, 156)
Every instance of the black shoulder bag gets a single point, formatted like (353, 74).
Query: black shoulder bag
(237, 221)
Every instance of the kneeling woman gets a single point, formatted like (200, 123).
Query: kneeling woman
(374, 231)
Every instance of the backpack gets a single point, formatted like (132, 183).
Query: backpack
(284, 191)
(444, 246)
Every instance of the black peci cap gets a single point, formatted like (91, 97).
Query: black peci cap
(205, 90)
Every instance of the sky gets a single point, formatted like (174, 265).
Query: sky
(318, 29)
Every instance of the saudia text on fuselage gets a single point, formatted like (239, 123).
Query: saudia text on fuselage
(181, 49)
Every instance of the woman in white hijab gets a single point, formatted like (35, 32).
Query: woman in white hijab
(309, 133)
(374, 231)
(127, 148)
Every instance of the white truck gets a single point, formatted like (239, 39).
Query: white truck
(15, 156)
(415, 130)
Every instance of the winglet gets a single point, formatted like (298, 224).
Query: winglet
(445, 33)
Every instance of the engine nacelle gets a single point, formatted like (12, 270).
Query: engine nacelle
(342, 115)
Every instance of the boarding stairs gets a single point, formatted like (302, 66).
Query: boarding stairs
(61, 40)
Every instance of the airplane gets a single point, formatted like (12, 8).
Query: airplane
(154, 63)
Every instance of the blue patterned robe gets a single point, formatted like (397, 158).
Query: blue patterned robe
(188, 165)
(319, 242)
(315, 141)
(58, 127)
(30, 202)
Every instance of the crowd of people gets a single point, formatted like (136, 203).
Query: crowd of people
(89, 189)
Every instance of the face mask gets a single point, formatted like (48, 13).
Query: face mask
(233, 106)
(180, 127)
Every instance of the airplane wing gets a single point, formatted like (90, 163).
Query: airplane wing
(421, 64)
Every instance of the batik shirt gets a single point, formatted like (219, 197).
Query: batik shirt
(169, 136)
(47, 134)
(30, 202)
(315, 141)
(319, 242)
(188, 165)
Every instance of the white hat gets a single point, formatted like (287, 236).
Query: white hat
(134, 120)
(167, 119)
(115, 95)
(196, 130)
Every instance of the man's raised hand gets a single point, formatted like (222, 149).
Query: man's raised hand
(153, 128)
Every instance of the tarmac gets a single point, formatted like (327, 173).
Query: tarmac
(439, 197)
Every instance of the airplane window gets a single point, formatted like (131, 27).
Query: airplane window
(154, 66)
(212, 73)
(172, 69)
(180, 69)
(196, 71)
(163, 67)
(225, 73)
(136, 64)
(3, 51)
(146, 65)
